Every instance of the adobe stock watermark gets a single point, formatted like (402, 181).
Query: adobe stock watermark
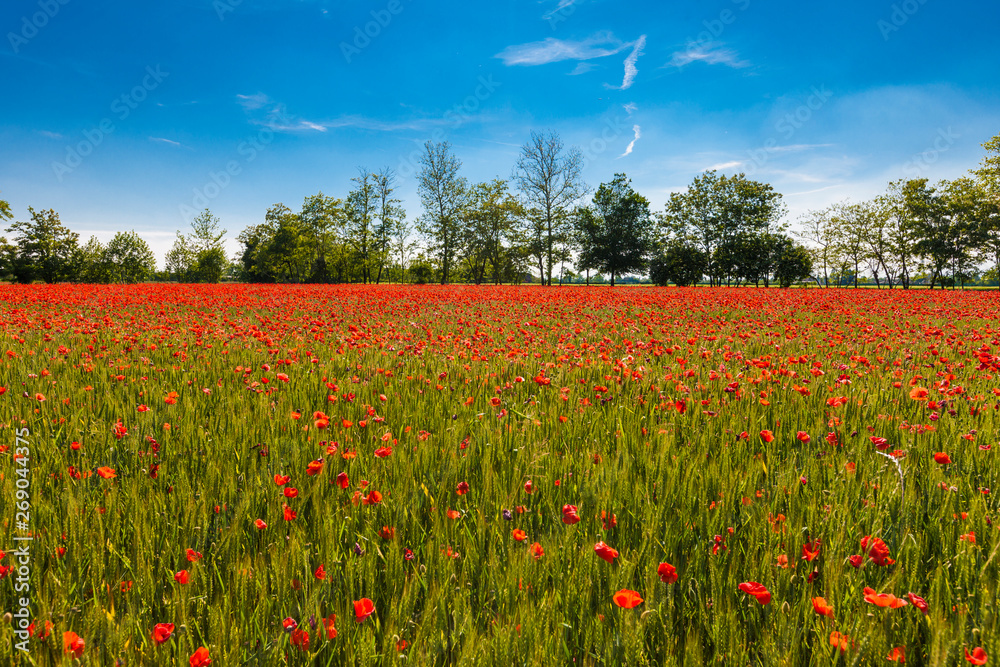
(923, 160)
(218, 181)
(453, 117)
(20, 565)
(900, 15)
(122, 107)
(614, 129)
(363, 35)
(560, 13)
(787, 126)
(715, 27)
(32, 25)
(223, 7)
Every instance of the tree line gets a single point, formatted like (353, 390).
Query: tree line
(544, 224)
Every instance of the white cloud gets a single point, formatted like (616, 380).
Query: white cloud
(630, 108)
(552, 50)
(723, 165)
(630, 68)
(638, 134)
(582, 68)
(165, 141)
(50, 135)
(711, 53)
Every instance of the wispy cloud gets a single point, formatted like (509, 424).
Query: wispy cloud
(563, 4)
(630, 68)
(712, 53)
(262, 110)
(552, 50)
(630, 108)
(166, 141)
(723, 165)
(581, 68)
(50, 135)
(637, 131)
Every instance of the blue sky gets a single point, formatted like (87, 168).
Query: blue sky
(132, 115)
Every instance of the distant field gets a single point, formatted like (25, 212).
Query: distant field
(376, 475)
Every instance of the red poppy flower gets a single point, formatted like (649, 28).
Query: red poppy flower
(363, 608)
(387, 533)
(766, 436)
(342, 480)
(289, 624)
(106, 472)
(383, 452)
(570, 516)
(182, 577)
(536, 550)
(627, 599)
(314, 467)
(281, 480)
(290, 492)
(857, 560)
(883, 599)
(941, 458)
(74, 645)
(839, 640)
(462, 489)
(821, 607)
(877, 550)
(288, 513)
(880, 443)
(918, 602)
(453, 514)
(320, 572)
(519, 535)
(260, 524)
(300, 639)
(978, 656)
(919, 394)
(328, 624)
(810, 550)
(192, 556)
(667, 573)
(802, 436)
(200, 658)
(528, 487)
(897, 654)
(758, 591)
(162, 632)
(604, 552)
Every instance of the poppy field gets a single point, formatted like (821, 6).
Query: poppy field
(398, 475)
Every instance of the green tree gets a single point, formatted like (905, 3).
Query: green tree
(128, 259)
(181, 260)
(91, 266)
(718, 210)
(444, 195)
(491, 230)
(361, 212)
(5, 212)
(324, 224)
(794, 264)
(988, 178)
(819, 229)
(616, 230)
(550, 180)
(391, 220)
(45, 248)
(931, 226)
(680, 263)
